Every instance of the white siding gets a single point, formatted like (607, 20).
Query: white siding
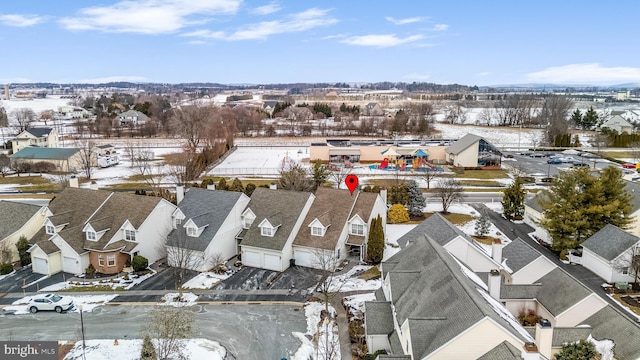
(304, 257)
(224, 241)
(597, 265)
(252, 258)
(272, 262)
(152, 234)
(471, 256)
(579, 312)
(40, 265)
(532, 271)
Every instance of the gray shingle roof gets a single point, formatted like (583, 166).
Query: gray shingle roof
(463, 143)
(633, 188)
(519, 291)
(32, 152)
(15, 215)
(380, 320)
(610, 242)
(503, 351)
(39, 131)
(566, 335)
(205, 207)
(532, 201)
(518, 254)
(265, 203)
(438, 228)
(572, 291)
(608, 323)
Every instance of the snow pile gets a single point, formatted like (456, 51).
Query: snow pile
(116, 283)
(88, 303)
(355, 304)
(472, 276)
(176, 300)
(324, 334)
(351, 282)
(604, 347)
(195, 349)
(205, 280)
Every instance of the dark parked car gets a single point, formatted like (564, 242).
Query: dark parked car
(580, 165)
(554, 161)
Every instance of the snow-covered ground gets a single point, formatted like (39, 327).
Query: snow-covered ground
(194, 349)
(328, 346)
(118, 282)
(88, 303)
(206, 280)
(179, 300)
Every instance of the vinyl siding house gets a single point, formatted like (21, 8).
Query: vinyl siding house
(132, 117)
(609, 253)
(271, 222)
(64, 159)
(101, 228)
(19, 219)
(205, 226)
(619, 124)
(336, 221)
(473, 151)
(39, 137)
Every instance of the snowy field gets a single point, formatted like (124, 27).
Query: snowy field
(260, 161)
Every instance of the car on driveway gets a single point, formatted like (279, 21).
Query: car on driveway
(51, 302)
(629, 166)
(581, 164)
(554, 161)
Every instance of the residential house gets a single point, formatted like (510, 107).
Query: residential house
(205, 226)
(336, 222)
(72, 113)
(18, 220)
(105, 149)
(63, 159)
(473, 151)
(433, 307)
(520, 264)
(632, 115)
(101, 228)
(372, 109)
(609, 254)
(271, 222)
(37, 136)
(132, 117)
(619, 124)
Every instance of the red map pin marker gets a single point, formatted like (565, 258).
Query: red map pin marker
(352, 182)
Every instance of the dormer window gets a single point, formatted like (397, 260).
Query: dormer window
(266, 231)
(130, 235)
(317, 231)
(191, 231)
(91, 235)
(50, 229)
(357, 229)
(247, 219)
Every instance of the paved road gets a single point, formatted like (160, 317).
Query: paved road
(585, 276)
(251, 332)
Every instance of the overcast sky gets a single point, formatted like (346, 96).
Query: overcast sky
(468, 42)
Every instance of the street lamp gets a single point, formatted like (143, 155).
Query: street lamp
(82, 331)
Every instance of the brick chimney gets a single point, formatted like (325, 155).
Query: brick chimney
(530, 351)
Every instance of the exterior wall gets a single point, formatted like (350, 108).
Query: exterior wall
(579, 312)
(29, 229)
(287, 250)
(377, 342)
(224, 241)
(372, 154)
(26, 139)
(597, 265)
(532, 271)
(634, 225)
(261, 260)
(517, 306)
(121, 260)
(471, 256)
(475, 342)
(153, 232)
(54, 261)
(466, 158)
(67, 251)
(319, 152)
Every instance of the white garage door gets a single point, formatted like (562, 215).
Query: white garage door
(252, 258)
(304, 258)
(40, 266)
(272, 262)
(69, 265)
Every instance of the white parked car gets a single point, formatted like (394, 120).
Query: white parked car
(50, 302)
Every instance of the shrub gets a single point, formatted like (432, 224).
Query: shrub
(374, 355)
(90, 271)
(23, 245)
(148, 351)
(139, 263)
(563, 254)
(528, 318)
(6, 268)
(398, 214)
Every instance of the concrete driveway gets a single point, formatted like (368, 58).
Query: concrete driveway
(31, 281)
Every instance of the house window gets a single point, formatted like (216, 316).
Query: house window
(178, 221)
(111, 260)
(50, 229)
(130, 235)
(191, 231)
(266, 231)
(625, 271)
(247, 221)
(357, 229)
(317, 231)
(91, 235)
(100, 260)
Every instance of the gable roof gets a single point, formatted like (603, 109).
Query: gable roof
(332, 207)
(502, 351)
(518, 254)
(532, 201)
(39, 131)
(439, 229)
(463, 143)
(364, 205)
(609, 323)
(573, 291)
(204, 207)
(610, 242)
(442, 301)
(15, 215)
(134, 113)
(278, 205)
(616, 120)
(380, 322)
(34, 152)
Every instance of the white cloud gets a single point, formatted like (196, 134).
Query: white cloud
(386, 40)
(266, 9)
(149, 16)
(581, 73)
(299, 22)
(483, 74)
(417, 76)
(20, 20)
(108, 79)
(441, 27)
(336, 36)
(405, 20)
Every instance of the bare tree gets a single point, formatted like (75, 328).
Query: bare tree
(328, 288)
(169, 326)
(88, 157)
(338, 174)
(182, 257)
(630, 264)
(554, 114)
(449, 191)
(4, 119)
(23, 118)
(297, 178)
(5, 165)
(431, 175)
(143, 166)
(192, 120)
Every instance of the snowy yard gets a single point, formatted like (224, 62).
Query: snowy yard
(88, 303)
(194, 349)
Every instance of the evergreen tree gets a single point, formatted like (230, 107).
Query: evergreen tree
(375, 243)
(578, 204)
(398, 214)
(576, 117)
(222, 185)
(417, 201)
(320, 173)
(482, 225)
(148, 350)
(236, 185)
(590, 119)
(248, 190)
(513, 200)
(398, 195)
(23, 245)
(581, 350)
